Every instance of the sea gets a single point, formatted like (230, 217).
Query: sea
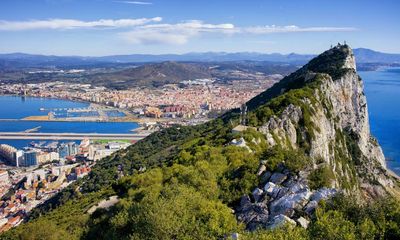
(13, 108)
(382, 89)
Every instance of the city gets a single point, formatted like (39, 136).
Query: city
(192, 99)
(33, 175)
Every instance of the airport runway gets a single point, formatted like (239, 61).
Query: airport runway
(70, 136)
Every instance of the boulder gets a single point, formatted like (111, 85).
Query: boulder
(310, 207)
(261, 170)
(254, 216)
(256, 141)
(261, 215)
(282, 191)
(278, 178)
(297, 187)
(265, 177)
(245, 203)
(280, 221)
(291, 201)
(240, 143)
(323, 194)
(257, 194)
(270, 188)
(235, 236)
(303, 222)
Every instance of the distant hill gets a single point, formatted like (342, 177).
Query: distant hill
(210, 57)
(363, 55)
(126, 75)
(123, 71)
(170, 72)
(156, 74)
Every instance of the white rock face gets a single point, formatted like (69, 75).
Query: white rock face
(323, 194)
(350, 61)
(240, 143)
(341, 108)
(303, 222)
(290, 202)
(279, 221)
(261, 170)
(341, 141)
(257, 194)
(283, 126)
(270, 187)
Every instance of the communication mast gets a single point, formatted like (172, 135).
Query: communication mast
(243, 114)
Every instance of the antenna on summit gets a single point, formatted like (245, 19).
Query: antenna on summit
(243, 114)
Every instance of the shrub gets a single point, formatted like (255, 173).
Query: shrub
(321, 177)
(296, 160)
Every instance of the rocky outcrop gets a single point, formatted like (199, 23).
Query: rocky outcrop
(331, 126)
(240, 143)
(279, 201)
(283, 126)
(340, 113)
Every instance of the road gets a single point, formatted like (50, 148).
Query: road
(70, 136)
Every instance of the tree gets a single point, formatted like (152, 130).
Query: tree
(331, 225)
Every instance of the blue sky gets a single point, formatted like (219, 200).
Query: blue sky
(106, 27)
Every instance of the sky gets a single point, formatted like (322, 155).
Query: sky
(113, 27)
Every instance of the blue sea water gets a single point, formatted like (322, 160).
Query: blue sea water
(382, 89)
(14, 107)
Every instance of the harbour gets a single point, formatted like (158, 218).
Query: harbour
(18, 127)
(71, 136)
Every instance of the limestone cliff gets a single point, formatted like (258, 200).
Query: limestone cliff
(321, 111)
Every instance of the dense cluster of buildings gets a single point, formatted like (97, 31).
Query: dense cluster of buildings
(41, 153)
(34, 187)
(37, 154)
(43, 169)
(190, 99)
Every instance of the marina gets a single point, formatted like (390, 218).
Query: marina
(18, 120)
(71, 136)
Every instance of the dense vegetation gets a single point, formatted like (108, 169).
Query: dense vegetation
(192, 198)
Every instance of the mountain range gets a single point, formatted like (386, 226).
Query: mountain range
(30, 60)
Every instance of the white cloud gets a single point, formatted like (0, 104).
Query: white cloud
(135, 2)
(174, 33)
(151, 31)
(180, 33)
(72, 24)
(292, 28)
(154, 37)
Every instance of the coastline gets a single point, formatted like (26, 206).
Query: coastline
(122, 119)
(45, 118)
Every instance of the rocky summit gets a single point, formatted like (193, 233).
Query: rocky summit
(296, 162)
(322, 111)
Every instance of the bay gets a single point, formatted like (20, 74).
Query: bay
(16, 107)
